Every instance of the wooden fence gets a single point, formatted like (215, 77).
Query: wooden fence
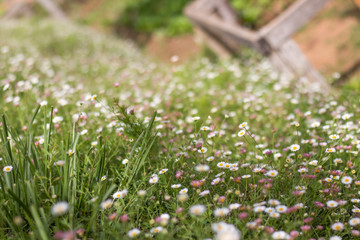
(16, 8)
(217, 23)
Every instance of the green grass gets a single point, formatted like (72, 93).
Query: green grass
(112, 119)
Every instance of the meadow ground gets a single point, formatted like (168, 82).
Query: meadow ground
(99, 142)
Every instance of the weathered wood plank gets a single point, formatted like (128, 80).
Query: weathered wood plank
(285, 25)
(290, 59)
(239, 34)
(15, 10)
(53, 9)
(205, 6)
(226, 12)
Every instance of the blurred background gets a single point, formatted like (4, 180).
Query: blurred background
(331, 40)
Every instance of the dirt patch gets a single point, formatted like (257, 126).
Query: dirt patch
(327, 40)
(164, 48)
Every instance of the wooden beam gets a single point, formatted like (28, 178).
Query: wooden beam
(281, 28)
(239, 34)
(53, 9)
(226, 12)
(290, 59)
(15, 10)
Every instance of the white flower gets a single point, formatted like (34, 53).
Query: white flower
(59, 208)
(272, 173)
(125, 161)
(120, 194)
(225, 231)
(175, 185)
(197, 210)
(7, 168)
(346, 180)
(332, 204)
(294, 147)
(154, 179)
(204, 193)
(259, 209)
(281, 208)
(103, 178)
(335, 238)
(337, 226)
(354, 221)
(106, 204)
(202, 150)
(183, 191)
(162, 171)
(280, 235)
(156, 230)
(57, 119)
(334, 137)
(241, 133)
(202, 168)
(133, 232)
(273, 202)
(243, 125)
(221, 212)
(234, 206)
(330, 150)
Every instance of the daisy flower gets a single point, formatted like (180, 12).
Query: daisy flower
(202, 168)
(334, 137)
(330, 150)
(120, 194)
(280, 235)
(133, 233)
(175, 185)
(156, 230)
(332, 204)
(346, 180)
(354, 221)
(59, 208)
(294, 147)
(281, 208)
(162, 171)
(221, 212)
(7, 168)
(209, 159)
(337, 226)
(183, 191)
(272, 173)
(154, 179)
(106, 204)
(202, 150)
(241, 133)
(197, 210)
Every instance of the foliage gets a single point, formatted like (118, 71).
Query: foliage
(162, 15)
(233, 137)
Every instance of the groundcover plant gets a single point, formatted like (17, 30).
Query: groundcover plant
(99, 142)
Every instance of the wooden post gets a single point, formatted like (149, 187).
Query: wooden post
(17, 7)
(217, 20)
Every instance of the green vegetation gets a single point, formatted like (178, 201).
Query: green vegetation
(98, 142)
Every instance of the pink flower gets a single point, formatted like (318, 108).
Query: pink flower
(294, 233)
(242, 215)
(179, 210)
(305, 228)
(112, 217)
(124, 218)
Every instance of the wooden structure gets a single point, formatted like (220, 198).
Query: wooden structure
(21, 7)
(217, 23)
